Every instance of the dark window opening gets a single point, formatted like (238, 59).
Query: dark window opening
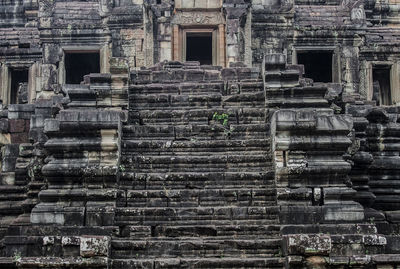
(199, 48)
(317, 65)
(19, 86)
(79, 64)
(381, 85)
(24, 45)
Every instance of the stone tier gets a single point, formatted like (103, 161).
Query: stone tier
(310, 140)
(81, 172)
(375, 164)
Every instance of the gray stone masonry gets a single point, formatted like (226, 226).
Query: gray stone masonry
(285, 153)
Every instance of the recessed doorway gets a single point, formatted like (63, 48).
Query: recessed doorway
(18, 78)
(381, 92)
(199, 47)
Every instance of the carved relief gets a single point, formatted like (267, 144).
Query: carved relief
(46, 7)
(190, 18)
(357, 14)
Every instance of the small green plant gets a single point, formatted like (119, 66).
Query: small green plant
(371, 220)
(223, 119)
(17, 256)
(122, 168)
(279, 254)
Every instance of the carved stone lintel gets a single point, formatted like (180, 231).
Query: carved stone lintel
(200, 18)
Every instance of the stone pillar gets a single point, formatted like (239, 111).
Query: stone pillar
(235, 13)
(221, 43)
(176, 43)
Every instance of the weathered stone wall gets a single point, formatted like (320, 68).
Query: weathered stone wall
(154, 163)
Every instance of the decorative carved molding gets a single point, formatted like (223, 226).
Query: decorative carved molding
(200, 18)
(46, 7)
(357, 14)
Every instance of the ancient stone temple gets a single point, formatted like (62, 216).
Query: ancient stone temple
(200, 134)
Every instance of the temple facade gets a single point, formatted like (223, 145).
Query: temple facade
(200, 134)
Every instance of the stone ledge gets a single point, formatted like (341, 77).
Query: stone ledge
(52, 262)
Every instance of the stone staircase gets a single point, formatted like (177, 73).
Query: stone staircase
(196, 193)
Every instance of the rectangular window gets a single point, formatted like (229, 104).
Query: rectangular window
(80, 63)
(381, 88)
(205, 45)
(19, 86)
(317, 65)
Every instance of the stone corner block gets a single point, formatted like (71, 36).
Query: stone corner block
(307, 244)
(91, 246)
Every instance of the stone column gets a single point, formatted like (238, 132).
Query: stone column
(235, 12)
(176, 48)
(221, 44)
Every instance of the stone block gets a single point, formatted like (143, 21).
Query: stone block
(374, 240)
(194, 75)
(100, 215)
(16, 126)
(307, 244)
(8, 178)
(91, 246)
(18, 138)
(229, 74)
(346, 212)
(51, 125)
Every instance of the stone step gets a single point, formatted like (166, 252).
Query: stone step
(197, 180)
(298, 103)
(197, 146)
(205, 168)
(12, 193)
(193, 247)
(250, 86)
(179, 88)
(43, 230)
(172, 101)
(210, 131)
(360, 228)
(63, 262)
(309, 91)
(149, 149)
(251, 99)
(204, 263)
(8, 263)
(196, 197)
(11, 207)
(192, 162)
(172, 231)
(282, 78)
(196, 116)
(81, 95)
(168, 101)
(196, 215)
(13, 196)
(214, 87)
(82, 194)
